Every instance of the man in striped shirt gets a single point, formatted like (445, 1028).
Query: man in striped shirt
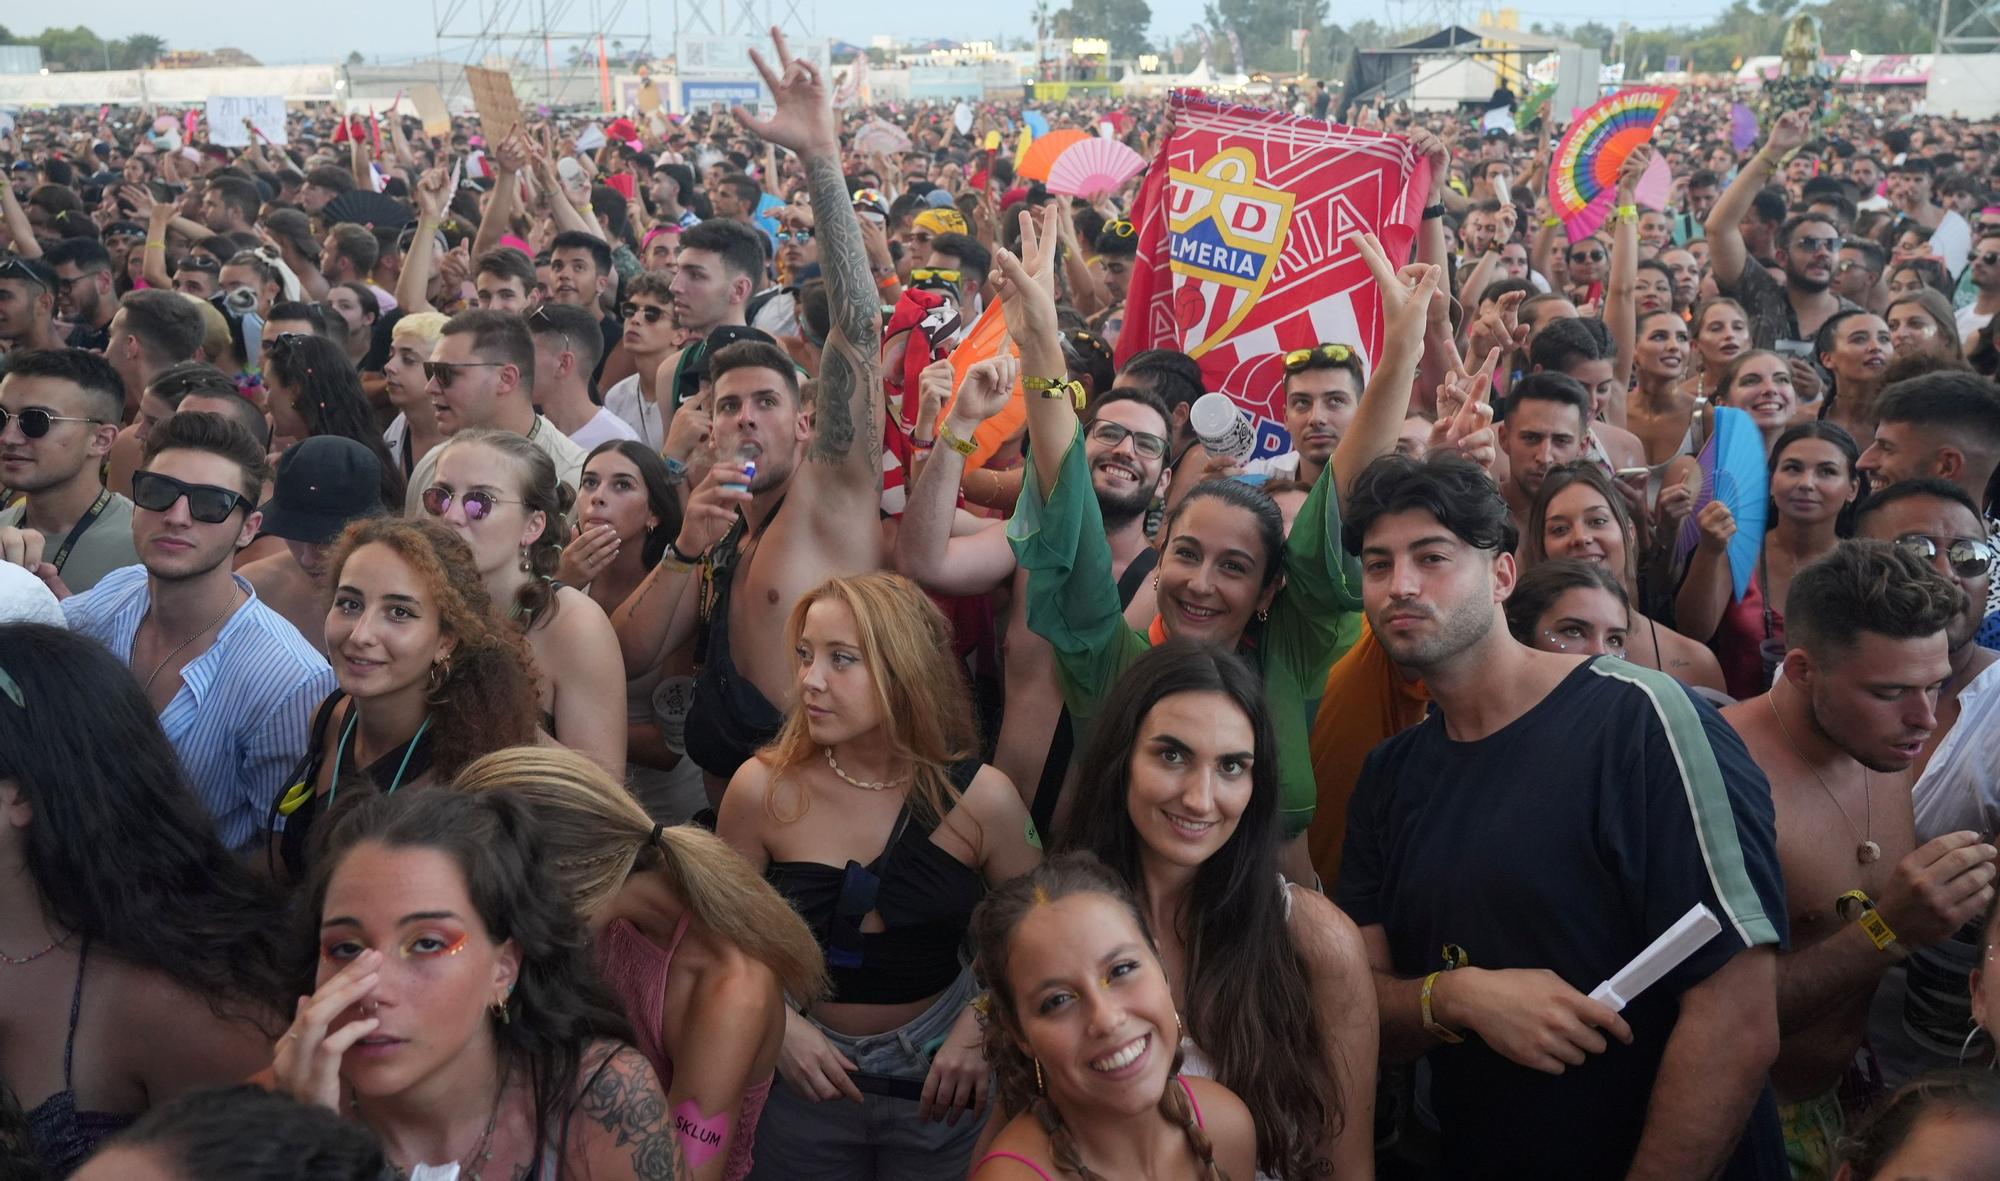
(235, 685)
(1552, 817)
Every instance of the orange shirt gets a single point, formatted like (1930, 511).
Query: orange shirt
(1367, 702)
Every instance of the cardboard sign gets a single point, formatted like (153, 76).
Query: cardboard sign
(430, 107)
(493, 95)
(226, 115)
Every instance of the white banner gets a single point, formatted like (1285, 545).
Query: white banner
(230, 118)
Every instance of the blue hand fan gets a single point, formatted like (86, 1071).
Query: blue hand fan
(1733, 472)
(1037, 122)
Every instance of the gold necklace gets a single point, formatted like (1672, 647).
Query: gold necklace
(849, 779)
(1867, 852)
(226, 609)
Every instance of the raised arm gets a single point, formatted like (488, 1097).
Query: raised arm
(1705, 593)
(510, 156)
(1620, 311)
(1385, 403)
(847, 417)
(158, 217)
(20, 232)
(566, 215)
(1026, 285)
(926, 551)
(1726, 252)
(414, 283)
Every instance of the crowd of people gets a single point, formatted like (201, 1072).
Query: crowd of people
(436, 742)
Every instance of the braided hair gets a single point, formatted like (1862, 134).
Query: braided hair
(1016, 1074)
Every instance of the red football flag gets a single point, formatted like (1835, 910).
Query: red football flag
(1245, 225)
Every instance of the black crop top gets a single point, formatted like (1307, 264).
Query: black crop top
(924, 895)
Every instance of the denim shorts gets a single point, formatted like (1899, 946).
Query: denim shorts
(881, 1138)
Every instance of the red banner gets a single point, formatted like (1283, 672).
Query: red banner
(1245, 252)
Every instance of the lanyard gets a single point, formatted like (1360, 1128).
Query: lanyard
(80, 528)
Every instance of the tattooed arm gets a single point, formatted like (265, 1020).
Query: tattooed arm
(620, 1128)
(845, 455)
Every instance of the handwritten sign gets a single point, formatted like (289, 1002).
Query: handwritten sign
(493, 95)
(227, 113)
(430, 107)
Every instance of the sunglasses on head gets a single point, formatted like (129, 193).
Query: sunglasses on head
(933, 274)
(200, 262)
(446, 372)
(651, 311)
(14, 268)
(1149, 446)
(478, 504)
(207, 503)
(1968, 558)
(1121, 228)
(786, 237)
(35, 421)
(1298, 359)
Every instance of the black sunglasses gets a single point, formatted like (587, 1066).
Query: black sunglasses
(651, 311)
(446, 372)
(1969, 558)
(35, 421)
(206, 503)
(1149, 446)
(1587, 256)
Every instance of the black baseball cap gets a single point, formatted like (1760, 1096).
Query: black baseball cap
(323, 483)
(694, 360)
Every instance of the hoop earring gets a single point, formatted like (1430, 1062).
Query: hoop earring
(1966, 1047)
(1040, 1089)
(440, 673)
(499, 1010)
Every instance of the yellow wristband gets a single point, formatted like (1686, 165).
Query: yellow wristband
(1056, 387)
(1871, 920)
(1430, 1024)
(152, 242)
(1627, 211)
(950, 438)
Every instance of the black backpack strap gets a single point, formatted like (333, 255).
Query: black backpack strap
(1143, 563)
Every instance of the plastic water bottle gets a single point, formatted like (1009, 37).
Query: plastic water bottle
(746, 455)
(1222, 427)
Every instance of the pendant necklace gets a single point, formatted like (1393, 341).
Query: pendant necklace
(1867, 852)
(155, 675)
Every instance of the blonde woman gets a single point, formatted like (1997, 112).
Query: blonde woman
(700, 951)
(872, 814)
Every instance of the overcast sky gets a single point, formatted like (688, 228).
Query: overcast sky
(400, 29)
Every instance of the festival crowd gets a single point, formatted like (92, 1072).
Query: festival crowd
(520, 660)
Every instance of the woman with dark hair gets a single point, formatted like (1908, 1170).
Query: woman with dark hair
(431, 677)
(314, 390)
(500, 493)
(700, 950)
(122, 915)
(241, 1133)
(1668, 419)
(1912, 275)
(454, 1011)
(1578, 514)
(1813, 481)
(1942, 1126)
(626, 514)
(1759, 383)
(1853, 346)
(1177, 793)
(872, 813)
(356, 305)
(1569, 605)
(1085, 1041)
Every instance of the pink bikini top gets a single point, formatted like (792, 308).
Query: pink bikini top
(1039, 1172)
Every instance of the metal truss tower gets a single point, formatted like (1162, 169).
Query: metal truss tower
(534, 39)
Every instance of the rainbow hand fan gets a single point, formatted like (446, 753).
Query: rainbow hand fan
(1093, 167)
(1733, 472)
(1583, 179)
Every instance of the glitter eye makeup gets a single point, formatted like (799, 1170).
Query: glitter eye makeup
(453, 948)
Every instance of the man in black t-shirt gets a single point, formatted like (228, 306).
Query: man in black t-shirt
(1551, 818)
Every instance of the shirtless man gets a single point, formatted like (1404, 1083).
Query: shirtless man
(1839, 737)
(323, 483)
(823, 466)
